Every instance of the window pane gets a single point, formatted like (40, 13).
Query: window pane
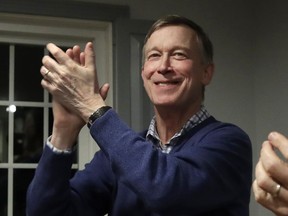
(22, 179)
(3, 189)
(4, 71)
(3, 135)
(28, 134)
(27, 73)
(50, 121)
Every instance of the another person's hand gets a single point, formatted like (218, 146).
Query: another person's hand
(72, 79)
(271, 184)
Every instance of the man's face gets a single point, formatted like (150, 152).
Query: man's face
(173, 71)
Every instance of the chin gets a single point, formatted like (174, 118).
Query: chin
(165, 104)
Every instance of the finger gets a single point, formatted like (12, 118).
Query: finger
(264, 181)
(76, 54)
(280, 142)
(50, 64)
(69, 52)
(275, 204)
(104, 91)
(273, 165)
(264, 198)
(61, 74)
(82, 58)
(269, 159)
(46, 73)
(47, 86)
(60, 56)
(259, 194)
(89, 55)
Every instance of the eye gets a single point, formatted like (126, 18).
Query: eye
(153, 56)
(179, 55)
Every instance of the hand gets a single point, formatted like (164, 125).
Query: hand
(66, 126)
(79, 57)
(73, 79)
(271, 172)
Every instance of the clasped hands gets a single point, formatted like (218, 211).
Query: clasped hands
(71, 78)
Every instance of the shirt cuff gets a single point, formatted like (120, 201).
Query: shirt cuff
(56, 150)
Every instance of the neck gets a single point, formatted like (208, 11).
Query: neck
(170, 121)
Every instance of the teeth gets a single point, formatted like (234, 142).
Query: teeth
(166, 83)
(163, 84)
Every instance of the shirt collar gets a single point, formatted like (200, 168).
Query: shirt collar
(196, 119)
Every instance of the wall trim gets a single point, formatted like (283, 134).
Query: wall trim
(67, 9)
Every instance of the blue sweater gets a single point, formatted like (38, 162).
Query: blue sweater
(209, 173)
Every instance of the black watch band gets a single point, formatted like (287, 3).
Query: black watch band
(97, 114)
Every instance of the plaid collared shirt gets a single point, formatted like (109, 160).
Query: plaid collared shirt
(152, 134)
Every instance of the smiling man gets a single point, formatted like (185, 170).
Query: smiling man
(175, 74)
(186, 163)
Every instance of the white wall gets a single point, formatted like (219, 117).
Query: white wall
(250, 40)
(271, 74)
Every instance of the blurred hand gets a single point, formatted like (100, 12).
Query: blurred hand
(271, 183)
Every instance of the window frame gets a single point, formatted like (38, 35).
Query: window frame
(39, 30)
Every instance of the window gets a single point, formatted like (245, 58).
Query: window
(25, 108)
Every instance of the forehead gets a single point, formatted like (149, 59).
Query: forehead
(180, 35)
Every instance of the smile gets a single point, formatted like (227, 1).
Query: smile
(166, 83)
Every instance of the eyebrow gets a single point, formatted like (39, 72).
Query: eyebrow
(178, 47)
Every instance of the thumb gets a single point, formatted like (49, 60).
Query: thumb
(104, 91)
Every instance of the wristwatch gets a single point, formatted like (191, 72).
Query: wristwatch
(97, 114)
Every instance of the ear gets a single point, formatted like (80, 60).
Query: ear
(208, 73)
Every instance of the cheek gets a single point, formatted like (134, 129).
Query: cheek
(190, 72)
(147, 71)
(145, 79)
(144, 76)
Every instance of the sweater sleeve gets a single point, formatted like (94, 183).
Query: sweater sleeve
(201, 175)
(52, 192)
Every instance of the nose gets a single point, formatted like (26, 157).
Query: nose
(164, 65)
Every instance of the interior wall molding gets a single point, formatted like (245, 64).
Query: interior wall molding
(67, 9)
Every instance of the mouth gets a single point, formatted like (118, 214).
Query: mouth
(166, 83)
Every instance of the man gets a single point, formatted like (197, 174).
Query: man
(186, 163)
(271, 183)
